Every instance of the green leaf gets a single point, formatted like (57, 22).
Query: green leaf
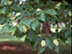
(37, 41)
(57, 49)
(42, 17)
(34, 24)
(68, 27)
(19, 17)
(51, 44)
(22, 12)
(15, 6)
(65, 13)
(12, 29)
(69, 40)
(20, 27)
(2, 19)
(48, 3)
(47, 41)
(21, 6)
(56, 19)
(35, 38)
(18, 33)
(36, 1)
(41, 49)
(3, 10)
(60, 41)
(39, 5)
(26, 42)
(30, 8)
(29, 14)
(38, 29)
(5, 2)
(31, 34)
(67, 34)
(28, 22)
(51, 12)
(9, 14)
(4, 29)
(32, 45)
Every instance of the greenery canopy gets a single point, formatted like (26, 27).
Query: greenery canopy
(26, 18)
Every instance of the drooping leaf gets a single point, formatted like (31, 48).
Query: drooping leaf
(42, 17)
(67, 34)
(18, 33)
(22, 12)
(31, 34)
(39, 5)
(2, 19)
(20, 28)
(32, 45)
(19, 17)
(57, 49)
(47, 41)
(21, 7)
(3, 10)
(4, 29)
(51, 12)
(68, 27)
(48, 3)
(41, 49)
(69, 40)
(14, 6)
(28, 22)
(29, 14)
(34, 24)
(36, 1)
(35, 38)
(26, 42)
(51, 44)
(38, 29)
(65, 13)
(37, 41)
(12, 29)
(5, 2)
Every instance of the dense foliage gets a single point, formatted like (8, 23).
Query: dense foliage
(26, 18)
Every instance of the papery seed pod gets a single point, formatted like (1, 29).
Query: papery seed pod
(38, 10)
(55, 42)
(43, 43)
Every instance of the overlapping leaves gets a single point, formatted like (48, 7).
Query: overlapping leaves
(30, 20)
